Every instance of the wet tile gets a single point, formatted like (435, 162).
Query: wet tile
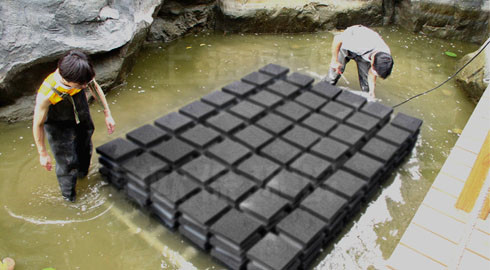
(406, 122)
(118, 149)
(293, 111)
(301, 137)
(348, 135)
(302, 227)
(364, 167)
(310, 100)
(229, 152)
(266, 99)
(324, 204)
(330, 149)
(283, 88)
(239, 88)
(257, 78)
(236, 227)
(289, 185)
(319, 123)
(299, 79)
(173, 150)
(147, 135)
(393, 135)
(281, 151)
(174, 122)
(200, 136)
(363, 122)
(378, 110)
(264, 205)
(204, 208)
(225, 122)
(274, 252)
(145, 167)
(311, 166)
(219, 99)
(346, 184)
(379, 150)
(350, 99)
(233, 187)
(336, 111)
(326, 90)
(258, 168)
(247, 110)
(253, 137)
(203, 169)
(274, 70)
(198, 110)
(274, 123)
(174, 189)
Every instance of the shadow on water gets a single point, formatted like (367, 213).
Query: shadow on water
(102, 230)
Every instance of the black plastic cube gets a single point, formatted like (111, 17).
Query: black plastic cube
(265, 206)
(293, 111)
(147, 135)
(203, 169)
(174, 122)
(289, 185)
(299, 79)
(203, 209)
(266, 99)
(200, 136)
(301, 137)
(273, 252)
(394, 135)
(257, 78)
(326, 90)
(324, 204)
(173, 151)
(311, 166)
(351, 99)
(233, 187)
(311, 100)
(247, 110)
(253, 137)
(239, 88)
(284, 88)
(173, 189)
(145, 167)
(406, 122)
(197, 110)
(258, 168)
(274, 70)
(348, 135)
(380, 150)
(346, 184)
(218, 99)
(225, 122)
(330, 149)
(274, 123)
(363, 122)
(303, 227)
(336, 111)
(281, 151)
(228, 151)
(118, 149)
(364, 167)
(319, 123)
(378, 110)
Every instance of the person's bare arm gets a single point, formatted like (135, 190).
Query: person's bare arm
(40, 113)
(371, 82)
(336, 44)
(109, 121)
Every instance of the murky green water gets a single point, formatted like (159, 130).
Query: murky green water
(102, 230)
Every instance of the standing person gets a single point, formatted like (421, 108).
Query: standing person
(62, 113)
(368, 49)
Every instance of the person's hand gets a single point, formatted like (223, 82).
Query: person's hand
(337, 67)
(46, 161)
(371, 94)
(110, 123)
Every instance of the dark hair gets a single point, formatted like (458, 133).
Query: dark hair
(75, 67)
(383, 64)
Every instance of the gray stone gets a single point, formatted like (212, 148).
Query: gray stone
(394, 135)
(380, 150)
(174, 189)
(311, 100)
(364, 122)
(336, 111)
(257, 78)
(274, 252)
(266, 99)
(258, 168)
(274, 123)
(346, 184)
(364, 167)
(274, 70)
(293, 111)
(225, 122)
(239, 88)
(266, 206)
(229, 152)
(201, 136)
(302, 227)
(326, 90)
(198, 110)
(280, 151)
(319, 123)
(237, 229)
(233, 187)
(173, 151)
(138, 194)
(204, 208)
(203, 169)
(350, 99)
(311, 166)
(324, 204)
(147, 135)
(253, 137)
(289, 185)
(351, 136)
(299, 79)
(378, 110)
(301, 137)
(219, 99)
(174, 122)
(118, 149)
(247, 110)
(284, 88)
(145, 167)
(407, 122)
(330, 149)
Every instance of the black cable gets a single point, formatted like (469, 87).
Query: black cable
(452, 76)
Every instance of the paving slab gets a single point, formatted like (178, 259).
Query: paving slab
(254, 137)
(293, 111)
(364, 122)
(274, 70)
(406, 122)
(319, 123)
(219, 99)
(258, 168)
(137, 194)
(299, 79)
(284, 88)
(378, 110)
(311, 100)
(204, 208)
(173, 151)
(233, 187)
(311, 166)
(350, 99)
(346, 184)
(198, 110)
(225, 122)
(247, 110)
(147, 135)
(301, 137)
(229, 151)
(274, 252)
(201, 136)
(302, 227)
(330, 149)
(363, 166)
(289, 185)
(118, 149)
(174, 122)
(196, 238)
(336, 111)
(324, 204)
(265, 206)
(379, 150)
(326, 90)
(348, 135)
(226, 258)
(394, 135)
(203, 169)
(257, 78)
(266, 99)
(174, 189)
(239, 88)
(281, 151)
(146, 167)
(274, 123)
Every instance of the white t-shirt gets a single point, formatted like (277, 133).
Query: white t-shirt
(362, 41)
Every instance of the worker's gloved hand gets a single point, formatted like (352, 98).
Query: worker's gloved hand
(46, 161)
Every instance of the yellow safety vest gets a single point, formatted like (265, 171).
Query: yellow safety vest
(49, 83)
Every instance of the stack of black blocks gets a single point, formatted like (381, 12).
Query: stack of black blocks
(264, 172)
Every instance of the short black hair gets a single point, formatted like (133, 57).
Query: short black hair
(75, 67)
(383, 64)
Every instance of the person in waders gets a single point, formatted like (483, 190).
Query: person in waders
(368, 49)
(62, 114)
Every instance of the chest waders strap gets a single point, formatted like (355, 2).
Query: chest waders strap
(70, 98)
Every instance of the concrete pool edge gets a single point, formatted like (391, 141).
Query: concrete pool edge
(434, 236)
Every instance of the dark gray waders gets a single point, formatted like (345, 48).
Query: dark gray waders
(71, 143)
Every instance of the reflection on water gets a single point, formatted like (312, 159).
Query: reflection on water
(102, 230)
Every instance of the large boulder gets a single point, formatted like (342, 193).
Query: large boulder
(35, 33)
(475, 77)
